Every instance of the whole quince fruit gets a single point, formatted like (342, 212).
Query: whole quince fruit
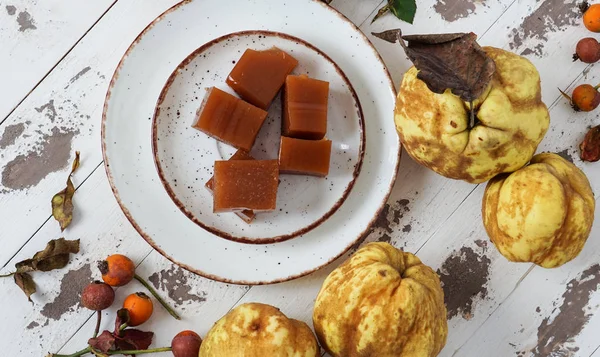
(381, 302)
(509, 121)
(259, 330)
(542, 213)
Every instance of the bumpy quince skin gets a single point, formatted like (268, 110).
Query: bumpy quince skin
(259, 330)
(381, 302)
(512, 120)
(542, 213)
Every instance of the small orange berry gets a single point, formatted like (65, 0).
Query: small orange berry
(117, 270)
(585, 97)
(591, 18)
(140, 308)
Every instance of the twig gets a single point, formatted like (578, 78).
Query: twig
(98, 321)
(155, 294)
(76, 354)
(139, 352)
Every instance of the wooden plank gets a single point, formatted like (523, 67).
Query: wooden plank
(35, 35)
(409, 221)
(466, 15)
(103, 230)
(96, 190)
(357, 11)
(458, 239)
(564, 137)
(553, 312)
(546, 32)
(62, 115)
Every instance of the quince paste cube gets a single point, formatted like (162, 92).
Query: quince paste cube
(305, 157)
(246, 215)
(245, 184)
(305, 103)
(229, 119)
(259, 75)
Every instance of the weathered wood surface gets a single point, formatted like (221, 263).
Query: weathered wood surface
(496, 308)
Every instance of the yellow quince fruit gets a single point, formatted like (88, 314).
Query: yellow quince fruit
(542, 213)
(259, 330)
(509, 121)
(381, 302)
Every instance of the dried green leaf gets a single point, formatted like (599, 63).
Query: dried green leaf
(62, 202)
(447, 61)
(54, 256)
(405, 10)
(384, 10)
(26, 283)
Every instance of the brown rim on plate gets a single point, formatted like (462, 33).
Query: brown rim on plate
(153, 244)
(218, 232)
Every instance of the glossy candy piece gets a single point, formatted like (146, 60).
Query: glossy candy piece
(245, 184)
(305, 103)
(246, 215)
(304, 157)
(259, 75)
(229, 119)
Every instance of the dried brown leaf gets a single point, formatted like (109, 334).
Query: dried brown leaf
(391, 36)
(62, 202)
(590, 147)
(26, 283)
(54, 256)
(447, 61)
(132, 339)
(104, 342)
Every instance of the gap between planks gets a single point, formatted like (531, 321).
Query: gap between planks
(553, 104)
(47, 219)
(57, 63)
(98, 166)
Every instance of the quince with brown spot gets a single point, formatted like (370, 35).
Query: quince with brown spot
(510, 121)
(259, 330)
(542, 213)
(381, 302)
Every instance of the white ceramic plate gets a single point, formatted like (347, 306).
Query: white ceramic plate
(127, 132)
(185, 156)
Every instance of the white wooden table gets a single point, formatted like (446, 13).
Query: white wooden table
(56, 58)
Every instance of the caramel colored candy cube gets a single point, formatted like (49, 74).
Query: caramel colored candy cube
(259, 75)
(304, 157)
(246, 215)
(229, 119)
(245, 185)
(305, 108)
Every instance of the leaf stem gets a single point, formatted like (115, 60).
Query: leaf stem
(155, 294)
(139, 352)
(384, 10)
(6, 275)
(597, 86)
(123, 327)
(98, 321)
(76, 354)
